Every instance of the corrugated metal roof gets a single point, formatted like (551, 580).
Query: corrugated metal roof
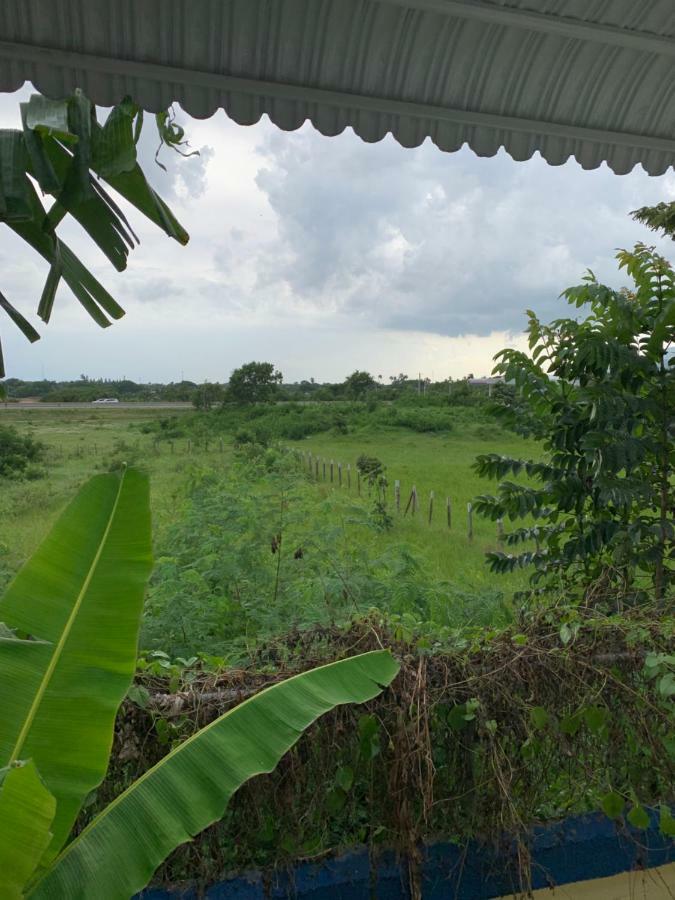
(593, 79)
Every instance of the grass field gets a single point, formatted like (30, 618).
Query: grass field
(83, 442)
(439, 463)
(80, 444)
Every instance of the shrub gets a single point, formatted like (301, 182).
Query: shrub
(19, 454)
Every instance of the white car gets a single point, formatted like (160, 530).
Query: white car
(106, 400)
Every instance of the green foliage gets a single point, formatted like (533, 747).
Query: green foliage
(358, 384)
(207, 395)
(19, 454)
(86, 614)
(27, 811)
(581, 723)
(659, 218)
(258, 550)
(295, 421)
(599, 394)
(67, 152)
(67, 655)
(374, 473)
(254, 382)
(191, 791)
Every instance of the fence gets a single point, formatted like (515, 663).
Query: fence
(323, 470)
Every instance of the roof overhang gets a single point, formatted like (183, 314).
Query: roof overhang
(583, 78)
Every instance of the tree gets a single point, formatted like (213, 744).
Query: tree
(67, 659)
(254, 382)
(206, 395)
(358, 384)
(63, 148)
(659, 218)
(599, 395)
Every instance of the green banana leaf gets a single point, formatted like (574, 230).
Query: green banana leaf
(82, 593)
(26, 813)
(189, 789)
(60, 145)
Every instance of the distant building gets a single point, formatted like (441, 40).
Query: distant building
(488, 382)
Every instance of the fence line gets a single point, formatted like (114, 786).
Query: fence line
(412, 504)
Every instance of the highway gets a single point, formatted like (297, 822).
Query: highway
(107, 407)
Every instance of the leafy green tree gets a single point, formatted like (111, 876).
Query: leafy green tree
(68, 639)
(358, 384)
(207, 395)
(599, 394)
(69, 155)
(254, 382)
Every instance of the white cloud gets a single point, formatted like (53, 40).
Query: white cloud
(328, 254)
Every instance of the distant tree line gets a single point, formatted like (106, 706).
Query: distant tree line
(254, 382)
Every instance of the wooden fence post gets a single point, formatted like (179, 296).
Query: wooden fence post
(358, 482)
(349, 476)
(331, 471)
(500, 530)
(397, 495)
(448, 509)
(316, 467)
(323, 462)
(340, 474)
(469, 516)
(431, 505)
(412, 502)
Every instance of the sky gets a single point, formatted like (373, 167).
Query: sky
(326, 255)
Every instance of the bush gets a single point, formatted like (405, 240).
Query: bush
(257, 551)
(19, 454)
(424, 420)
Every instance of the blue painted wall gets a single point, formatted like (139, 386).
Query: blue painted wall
(576, 849)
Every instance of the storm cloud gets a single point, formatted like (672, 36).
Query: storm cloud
(450, 244)
(325, 255)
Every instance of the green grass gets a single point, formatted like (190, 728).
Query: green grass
(83, 442)
(439, 463)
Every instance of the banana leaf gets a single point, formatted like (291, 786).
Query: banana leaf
(60, 145)
(82, 594)
(87, 289)
(98, 214)
(114, 147)
(26, 813)
(48, 117)
(14, 184)
(189, 789)
(22, 324)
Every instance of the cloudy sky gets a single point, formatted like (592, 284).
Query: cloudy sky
(328, 254)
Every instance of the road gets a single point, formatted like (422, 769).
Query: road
(9, 407)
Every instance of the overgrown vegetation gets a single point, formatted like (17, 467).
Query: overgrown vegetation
(259, 548)
(506, 713)
(599, 395)
(482, 735)
(19, 455)
(64, 625)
